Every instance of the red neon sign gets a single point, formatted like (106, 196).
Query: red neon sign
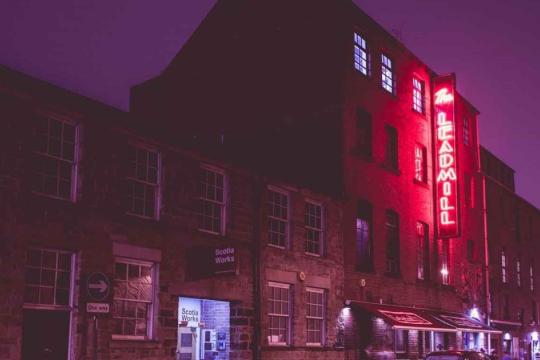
(446, 189)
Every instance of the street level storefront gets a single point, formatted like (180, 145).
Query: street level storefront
(519, 340)
(381, 330)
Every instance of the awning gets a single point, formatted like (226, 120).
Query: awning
(506, 325)
(465, 323)
(412, 318)
(404, 317)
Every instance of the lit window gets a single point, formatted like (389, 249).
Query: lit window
(503, 267)
(278, 218)
(133, 298)
(466, 131)
(363, 237)
(470, 250)
(279, 318)
(420, 163)
(48, 277)
(387, 75)
(55, 158)
(313, 226)
(363, 133)
(391, 154)
(418, 95)
(143, 182)
(361, 56)
(422, 235)
(315, 315)
(531, 277)
(392, 243)
(445, 262)
(518, 272)
(212, 201)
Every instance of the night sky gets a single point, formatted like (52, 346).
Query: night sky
(101, 48)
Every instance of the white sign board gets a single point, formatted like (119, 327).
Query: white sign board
(100, 308)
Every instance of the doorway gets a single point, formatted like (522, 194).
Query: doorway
(45, 335)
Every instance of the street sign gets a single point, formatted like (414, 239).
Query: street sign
(97, 286)
(99, 308)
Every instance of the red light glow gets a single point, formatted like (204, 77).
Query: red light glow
(445, 158)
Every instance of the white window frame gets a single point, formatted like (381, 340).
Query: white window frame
(419, 95)
(531, 277)
(72, 275)
(321, 319)
(152, 311)
(289, 288)
(504, 277)
(74, 162)
(223, 204)
(420, 163)
(466, 131)
(157, 186)
(387, 74)
(518, 273)
(361, 54)
(311, 228)
(287, 220)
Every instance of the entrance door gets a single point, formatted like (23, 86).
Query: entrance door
(45, 335)
(188, 338)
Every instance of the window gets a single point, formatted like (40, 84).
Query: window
(279, 315)
(531, 277)
(401, 341)
(364, 261)
(534, 310)
(55, 158)
(466, 131)
(424, 342)
(363, 133)
(361, 55)
(422, 235)
(506, 307)
(313, 226)
(315, 315)
(503, 267)
(143, 182)
(518, 273)
(445, 262)
(420, 163)
(48, 277)
(392, 243)
(469, 190)
(387, 75)
(418, 95)
(517, 223)
(470, 250)
(391, 155)
(212, 201)
(133, 298)
(278, 218)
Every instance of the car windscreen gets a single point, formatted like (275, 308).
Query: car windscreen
(444, 357)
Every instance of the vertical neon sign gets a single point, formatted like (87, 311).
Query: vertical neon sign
(446, 173)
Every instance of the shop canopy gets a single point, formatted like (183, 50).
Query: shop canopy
(412, 318)
(403, 317)
(465, 323)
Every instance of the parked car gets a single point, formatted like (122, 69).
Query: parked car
(457, 355)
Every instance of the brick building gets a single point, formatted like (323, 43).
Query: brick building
(199, 252)
(318, 92)
(512, 225)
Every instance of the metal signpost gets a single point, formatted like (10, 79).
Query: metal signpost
(98, 287)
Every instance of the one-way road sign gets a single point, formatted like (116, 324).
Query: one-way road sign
(97, 286)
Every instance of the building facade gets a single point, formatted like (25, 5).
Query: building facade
(119, 245)
(512, 225)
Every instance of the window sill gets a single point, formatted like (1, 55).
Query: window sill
(211, 232)
(143, 217)
(361, 155)
(313, 255)
(276, 246)
(55, 197)
(391, 169)
(423, 184)
(138, 339)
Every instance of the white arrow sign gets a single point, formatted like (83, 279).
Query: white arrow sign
(100, 285)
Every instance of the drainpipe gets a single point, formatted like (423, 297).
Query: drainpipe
(256, 249)
(486, 260)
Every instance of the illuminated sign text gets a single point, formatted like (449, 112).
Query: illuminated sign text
(445, 159)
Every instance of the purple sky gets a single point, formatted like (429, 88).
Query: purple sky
(101, 48)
